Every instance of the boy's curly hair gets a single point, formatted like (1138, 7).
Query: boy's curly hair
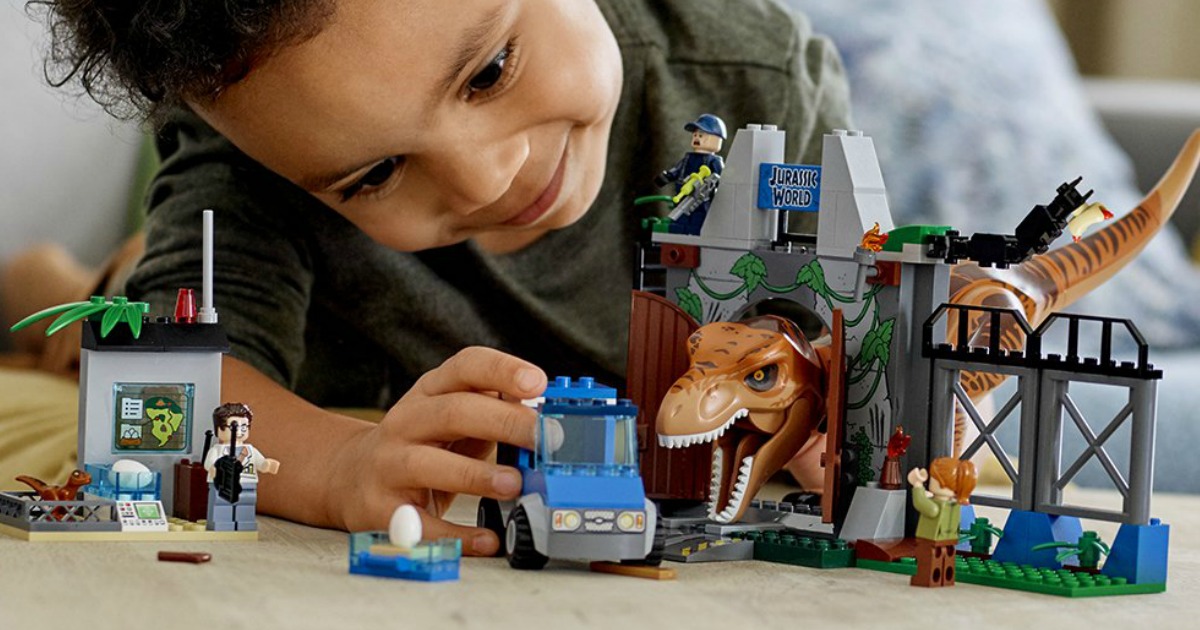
(137, 58)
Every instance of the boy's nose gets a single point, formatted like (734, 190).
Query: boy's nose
(480, 174)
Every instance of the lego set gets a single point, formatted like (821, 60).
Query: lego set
(752, 351)
(145, 391)
(711, 379)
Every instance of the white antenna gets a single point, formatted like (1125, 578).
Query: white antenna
(208, 314)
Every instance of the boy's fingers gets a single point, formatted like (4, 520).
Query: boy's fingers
(471, 415)
(441, 470)
(475, 449)
(476, 541)
(483, 369)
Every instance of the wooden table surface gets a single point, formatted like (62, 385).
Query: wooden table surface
(296, 577)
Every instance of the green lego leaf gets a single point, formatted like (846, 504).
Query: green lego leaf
(877, 344)
(111, 318)
(751, 269)
(44, 313)
(689, 302)
(133, 315)
(812, 276)
(76, 314)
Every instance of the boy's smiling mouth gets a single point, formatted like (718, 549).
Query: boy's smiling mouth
(545, 200)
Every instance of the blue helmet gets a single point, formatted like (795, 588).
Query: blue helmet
(707, 123)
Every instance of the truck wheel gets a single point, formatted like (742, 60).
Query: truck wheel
(519, 543)
(655, 557)
(490, 518)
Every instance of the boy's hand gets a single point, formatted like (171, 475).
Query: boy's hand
(432, 445)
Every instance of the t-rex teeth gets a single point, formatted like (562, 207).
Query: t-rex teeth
(714, 488)
(738, 494)
(681, 441)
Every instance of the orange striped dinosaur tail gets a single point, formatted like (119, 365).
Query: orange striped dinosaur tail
(1056, 279)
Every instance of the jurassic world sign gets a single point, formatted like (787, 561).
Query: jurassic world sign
(791, 187)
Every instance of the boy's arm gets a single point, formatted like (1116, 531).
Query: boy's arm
(351, 474)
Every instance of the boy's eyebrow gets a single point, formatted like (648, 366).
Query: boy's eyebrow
(471, 44)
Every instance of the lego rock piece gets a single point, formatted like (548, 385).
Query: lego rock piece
(1024, 530)
(1139, 553)
(875, 514)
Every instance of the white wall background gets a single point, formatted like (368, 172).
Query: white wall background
(66, 167)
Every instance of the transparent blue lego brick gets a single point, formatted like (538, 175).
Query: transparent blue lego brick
(123, 486)
(371, 553)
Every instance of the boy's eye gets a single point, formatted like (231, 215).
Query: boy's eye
(379, 175)
(490, 75)
(493, 75)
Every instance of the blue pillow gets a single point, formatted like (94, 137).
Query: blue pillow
(978, 114)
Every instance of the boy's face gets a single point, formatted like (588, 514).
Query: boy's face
(426, 123)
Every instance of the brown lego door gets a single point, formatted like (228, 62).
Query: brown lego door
(658, 333)
(835, 417)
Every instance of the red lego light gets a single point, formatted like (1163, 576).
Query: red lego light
(185, 306)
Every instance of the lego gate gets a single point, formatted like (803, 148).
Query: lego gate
(1043, 384)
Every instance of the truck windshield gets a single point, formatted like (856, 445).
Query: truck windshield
(588, 440)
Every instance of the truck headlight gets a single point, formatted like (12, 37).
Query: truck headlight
(631, 521)
(566, 520)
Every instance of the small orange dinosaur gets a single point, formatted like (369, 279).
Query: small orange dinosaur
(65, 492)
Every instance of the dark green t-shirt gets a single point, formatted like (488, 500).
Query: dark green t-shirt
(318, 306)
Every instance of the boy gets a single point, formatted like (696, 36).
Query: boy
(395, 181)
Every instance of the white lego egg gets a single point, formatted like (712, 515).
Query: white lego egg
(128, 474)
(404, 530)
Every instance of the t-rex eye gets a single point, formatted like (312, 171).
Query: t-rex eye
(763, 378)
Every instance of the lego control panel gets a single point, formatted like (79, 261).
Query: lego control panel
(141, 516)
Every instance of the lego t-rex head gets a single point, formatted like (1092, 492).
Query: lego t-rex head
(756, 388)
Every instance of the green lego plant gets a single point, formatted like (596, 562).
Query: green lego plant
(111, 313)
(980, 535)
(1089, 548)
(860, 443)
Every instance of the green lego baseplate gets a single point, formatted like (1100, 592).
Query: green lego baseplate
(1061, 582)
(800, 550)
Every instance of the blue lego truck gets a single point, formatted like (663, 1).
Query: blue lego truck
(582, 496)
